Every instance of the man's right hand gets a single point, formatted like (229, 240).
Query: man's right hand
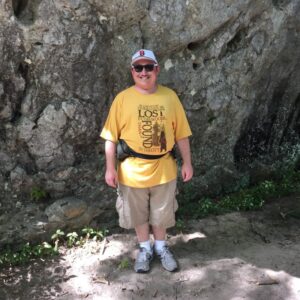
(111, 178)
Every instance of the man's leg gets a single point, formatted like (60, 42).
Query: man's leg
(142, 263)
(133, 208)
(163, 206)
(142, 232)
(162, 250)
(159, 233)
(143, 236)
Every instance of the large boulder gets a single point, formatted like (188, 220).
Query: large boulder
(234, 64)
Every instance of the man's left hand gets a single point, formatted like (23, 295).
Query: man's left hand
(187, 172)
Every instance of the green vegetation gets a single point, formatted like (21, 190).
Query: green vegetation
(57, 237)
(180, 225)
(72, 239)
(27, 252)
(251, 198)
(91, 233)
(124, 264)
(37, 194)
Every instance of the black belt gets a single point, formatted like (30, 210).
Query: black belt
(124, 151)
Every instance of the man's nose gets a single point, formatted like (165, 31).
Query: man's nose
(144, 72)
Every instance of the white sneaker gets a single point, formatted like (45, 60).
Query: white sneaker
(167, 259)
(142, 262)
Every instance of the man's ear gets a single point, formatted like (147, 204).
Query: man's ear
(158, 69)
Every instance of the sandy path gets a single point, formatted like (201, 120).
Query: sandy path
(254, 255)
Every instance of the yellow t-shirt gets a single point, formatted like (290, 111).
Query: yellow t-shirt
(150, 124)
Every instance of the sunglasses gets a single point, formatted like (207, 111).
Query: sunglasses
(139, 68)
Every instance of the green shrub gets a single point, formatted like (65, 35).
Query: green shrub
(59, 238)
(27, 252)
(251, 198)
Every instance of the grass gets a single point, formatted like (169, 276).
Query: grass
(251, 198)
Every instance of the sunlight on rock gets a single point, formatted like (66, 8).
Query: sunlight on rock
(29, 277)
(168, 64)
(81, 284)
(294, 285)
(192, 236)
(114, 248)
(185, 238)
(283, 277)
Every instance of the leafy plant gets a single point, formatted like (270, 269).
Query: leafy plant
(251, 198)
(88, 231)
(207, 206)
(124, 264)
(71, 239)
(179, 225)
(27, 252)
(94, 234)
(37, 194)
(57, 236)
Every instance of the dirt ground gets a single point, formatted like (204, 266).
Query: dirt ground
(253, 255)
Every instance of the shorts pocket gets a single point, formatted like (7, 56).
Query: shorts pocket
(175, 205)
(175, 202)
(123, 211)
(119, 202)
(119, 205)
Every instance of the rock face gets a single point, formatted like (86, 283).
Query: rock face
(234, 64)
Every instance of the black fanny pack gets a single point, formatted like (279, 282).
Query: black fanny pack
(124, 151)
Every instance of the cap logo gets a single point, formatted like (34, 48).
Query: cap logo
(142, 52)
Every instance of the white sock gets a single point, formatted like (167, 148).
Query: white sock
(159, 245)
(146, 245)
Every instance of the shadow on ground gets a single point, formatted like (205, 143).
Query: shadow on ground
(253, 255)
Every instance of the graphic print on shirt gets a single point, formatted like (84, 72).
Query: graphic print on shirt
(151, 128)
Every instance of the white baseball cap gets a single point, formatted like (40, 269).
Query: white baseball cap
(143, 54)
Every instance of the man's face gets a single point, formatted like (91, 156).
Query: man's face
(145, 80)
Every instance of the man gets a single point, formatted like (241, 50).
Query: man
(150, 119)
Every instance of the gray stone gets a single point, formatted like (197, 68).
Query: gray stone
(234, 65)
(22, 225)
(25, 129)
(64, 209)
(6, 162)
(18, 177)
(70, 213)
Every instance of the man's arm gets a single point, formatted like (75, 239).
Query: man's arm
(185, 151)
(111, 176)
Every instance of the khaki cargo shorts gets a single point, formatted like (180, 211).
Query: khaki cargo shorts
(155, 205)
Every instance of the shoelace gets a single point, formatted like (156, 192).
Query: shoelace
(143, 254)
(165, 251)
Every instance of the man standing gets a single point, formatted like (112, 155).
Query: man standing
(150, 119)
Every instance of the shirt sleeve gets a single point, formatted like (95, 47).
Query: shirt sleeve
(182, 128)
(111, 129)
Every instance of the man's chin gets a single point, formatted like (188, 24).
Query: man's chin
(145, 86)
